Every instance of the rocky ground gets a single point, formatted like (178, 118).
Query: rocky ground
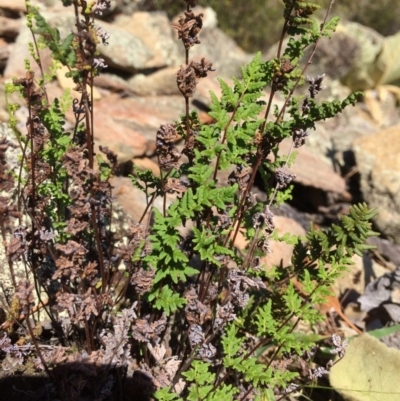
(353, 157)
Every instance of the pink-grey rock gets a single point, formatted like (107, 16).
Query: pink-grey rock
(280, 251)
(9, 27)
(111, 82)
(154, 29)
(161, 82)
(5, 51)
(13, 5)
(16, 61)
(312, 172)
(134, 121)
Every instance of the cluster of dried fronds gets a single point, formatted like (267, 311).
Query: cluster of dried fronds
(178, 314)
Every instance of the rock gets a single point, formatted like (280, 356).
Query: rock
(162, 82)
(357, 55)
(353, 51)
(5, 51)
(379, 166)
(13, 5)
(333, 139)
(127, 7)
(381, 105)
(370, 56)
(334, 57)
(310, 171)
(361, 273)
(9, 27)
(280, 251)
(383, 292)
(112, 82)
(132, 200)
(125, 153)
(389, 62)
(154, 29)
(19, 52)
(119, 136)
(133, 122)
(3, 107)
(129, 49)
(147, 164)
(125, 51)
(386, 249)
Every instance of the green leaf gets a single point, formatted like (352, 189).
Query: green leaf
(164, 394)
(167, 300)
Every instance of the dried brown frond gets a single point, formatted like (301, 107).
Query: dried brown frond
(167, 152)
(144, 331)
(142, 280)
(240, 176)
(111, 157)
(188, 28)
(24, 294)
(176, 185)
(187, 77)
(196, 312)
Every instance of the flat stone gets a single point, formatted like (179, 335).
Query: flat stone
(162, 82)
(132, 200)
(136, 120)
(280, 251)
(311, 171)
(9, 27)
(154, 29)
(5, 51)
(378, 162)
(13, 5)
(125, 51)
(111, 82)
(146, 163)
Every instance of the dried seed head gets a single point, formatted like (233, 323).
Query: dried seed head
(207, 352)
(283, 178)
(264, 246)
(264, 219)
(315, 85)
(188, 28)
(340, 346)
(299, 137)
(317, 373)
(142, 280)
(24, 294)
(240, 176)
(188, 76)
(103, 35)
(101, 6)
(176, 185)
(166, 150)
(196, 335)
